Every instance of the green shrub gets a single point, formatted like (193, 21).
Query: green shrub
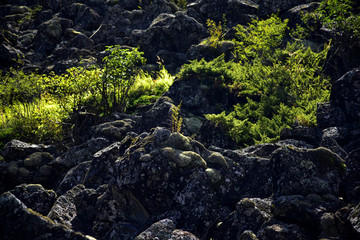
(16, 86)
(339, 14)
(120, 69)
(77, 88)
(176, 119)
(35, 108)
(277, 84)
(216, 70)
(260, 39)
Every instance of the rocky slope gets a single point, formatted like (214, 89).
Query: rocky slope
(54, 35)
(130, 177)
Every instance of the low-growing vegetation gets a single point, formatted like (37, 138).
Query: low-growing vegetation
(278, 83)
(39, 108)
(276, 79)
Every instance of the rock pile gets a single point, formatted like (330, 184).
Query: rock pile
(54, 35)
(134, 180)
(130, 177)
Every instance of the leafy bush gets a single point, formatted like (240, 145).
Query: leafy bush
(16, 86)
(78, 88)
(339, 14)
(35, 108)
(216, 70)
(120, 69)
(277, 84)
(260, 39)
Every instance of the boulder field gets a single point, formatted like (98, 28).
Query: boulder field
(131, 177)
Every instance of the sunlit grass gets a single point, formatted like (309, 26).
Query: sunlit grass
(38, 121)
(147, 89)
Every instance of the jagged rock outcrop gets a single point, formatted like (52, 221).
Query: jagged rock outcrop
(20, 222)
(34, 196)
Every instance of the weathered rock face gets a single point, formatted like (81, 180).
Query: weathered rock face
(199, 97)
(267, 7)
(166, 170)
(339, 121)
(24, 163)
(345, 95)
(20, 222)
(163, 230)
(250, 215)
(173, 32)
(76, 208)
(34, 196)
(235, 11)
(299, 171)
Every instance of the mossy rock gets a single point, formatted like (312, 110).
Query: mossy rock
(37, 159)
(305, 171)
(12, 168)
(178, 141)
(183, 158)
(217, 159)
(24, 172)
(213, 174)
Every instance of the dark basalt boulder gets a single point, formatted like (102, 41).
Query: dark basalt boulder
(250, 215)
(352, 182)
(81, 153)
(35, 168)
(307, 211)
(34, 196)
(159, 115)
(173, 32)
(164, 230)
(76, 209)
(345, 95)
(284, 231)
(306, 171)
(201, 96)
(235, 11)
(153, 179)
(355, 220)
(49, 34)
(267, 7)
(17, 150)
(211, 134)
(84, 17)
(73, 177)
(339, 119)
(209, 52)
(9, 54)
(343, 55)
(115, 130)
(20, 222)
(102, 168)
